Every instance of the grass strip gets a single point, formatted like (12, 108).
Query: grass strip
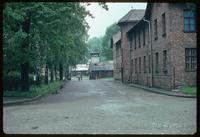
(189, 90)
(42, 89)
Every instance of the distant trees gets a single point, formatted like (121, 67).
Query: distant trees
(102, 44)
(106, 50)
(37, 36)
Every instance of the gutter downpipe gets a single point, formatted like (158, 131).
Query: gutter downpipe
(150, 40)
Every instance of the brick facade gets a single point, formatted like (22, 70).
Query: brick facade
(117, 56)
(160, 60)
(126, 23)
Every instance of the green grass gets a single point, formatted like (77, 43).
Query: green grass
(189, 90)
(35, 90)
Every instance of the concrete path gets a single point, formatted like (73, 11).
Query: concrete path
(102, 107)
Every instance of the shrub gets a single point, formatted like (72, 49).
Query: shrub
(11, 81)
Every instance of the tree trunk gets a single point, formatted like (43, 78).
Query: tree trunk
(25, 66)
(25, 77)
(51, 69)
(46, 75)
(67, 73)
(61, 71)
(55, 72)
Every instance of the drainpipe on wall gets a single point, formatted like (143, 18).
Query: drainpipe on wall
(151, 83)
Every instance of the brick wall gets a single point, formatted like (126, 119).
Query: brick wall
(180, 41)
(174, 42)
(125, 49)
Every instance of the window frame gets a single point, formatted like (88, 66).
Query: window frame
(149, 64)
(136, 66)
(156, 62)
(155, 29)
(135, 40)
(189, 19)
(163, 24)
(144, 61)
(165, 61)
(192, 59)
(140, 65)
(144, 35)
(139, 38)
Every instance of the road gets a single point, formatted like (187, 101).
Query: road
(102, 107)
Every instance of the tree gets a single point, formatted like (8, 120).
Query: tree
(43, 35)
(106, 50)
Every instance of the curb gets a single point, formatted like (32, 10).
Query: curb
(9, 103)
(164, 93)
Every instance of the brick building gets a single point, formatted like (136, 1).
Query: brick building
(117, 56)
(126, 23)
(165, 55)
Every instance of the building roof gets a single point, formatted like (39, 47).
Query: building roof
(102, 66)
(132, 15)
(81, 67)
(116, 37)
(147, 12)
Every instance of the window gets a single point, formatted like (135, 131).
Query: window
(144, 35)
(145, 67)
(190, 58)
(139, 64)
(155, 29)
(163, 25)
(156, 63)
(131, 45)
(135, 40)
(149, 63)
(136, 65)
(131, 67)
(139, 38)
(165, 61)
(189, 21)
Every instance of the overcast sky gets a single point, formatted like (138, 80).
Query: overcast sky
(104, 18)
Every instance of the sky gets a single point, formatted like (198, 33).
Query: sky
(104, 18)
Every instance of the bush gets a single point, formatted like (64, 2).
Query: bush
(36, 90)
(11, 81)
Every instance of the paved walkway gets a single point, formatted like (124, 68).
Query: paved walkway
(102, 107)
(161, 91)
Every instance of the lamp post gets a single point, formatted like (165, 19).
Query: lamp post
(150, 40)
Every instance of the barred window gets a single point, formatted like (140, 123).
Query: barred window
(163, 24)
(189, 21)
(139, 64)
(156, 63)
(164, 60)
(155, 29)
(145, 67)
(135, 40)
(139, 38)
(190, 59)
(144, 35)
(136, 65)
(131, 43)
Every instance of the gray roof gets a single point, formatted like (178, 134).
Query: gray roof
(102, 66)
(132, 15)
(116, 37)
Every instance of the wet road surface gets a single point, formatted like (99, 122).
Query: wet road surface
(102, 107)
